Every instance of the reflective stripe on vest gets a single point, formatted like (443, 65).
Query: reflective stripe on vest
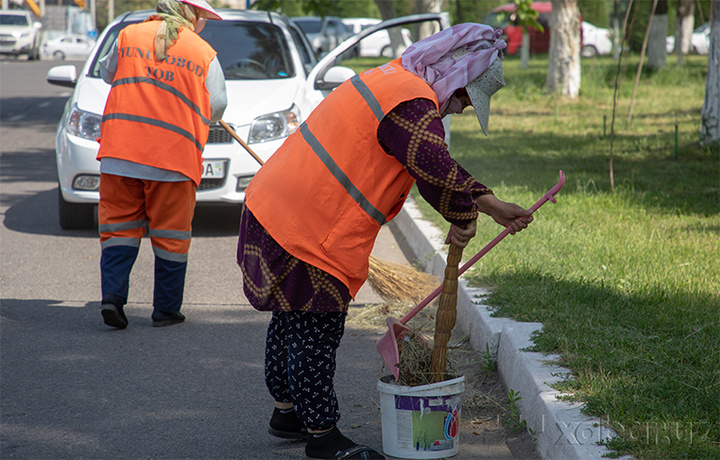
(341, 177)
(162, 85)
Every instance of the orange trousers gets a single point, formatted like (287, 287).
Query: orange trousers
(128, 209)
(130, 206)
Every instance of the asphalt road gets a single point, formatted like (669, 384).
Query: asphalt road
(72, 388)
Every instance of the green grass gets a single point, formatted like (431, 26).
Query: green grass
(625, 282)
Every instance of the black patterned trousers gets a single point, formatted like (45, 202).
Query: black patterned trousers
(300, 364)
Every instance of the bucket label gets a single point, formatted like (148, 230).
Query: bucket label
(428, 424)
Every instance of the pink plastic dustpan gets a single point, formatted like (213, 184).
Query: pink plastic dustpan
(397, 329)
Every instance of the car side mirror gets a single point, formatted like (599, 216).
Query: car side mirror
(334, 77)
(62, 75)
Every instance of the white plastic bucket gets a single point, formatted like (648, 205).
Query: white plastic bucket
(421, 421)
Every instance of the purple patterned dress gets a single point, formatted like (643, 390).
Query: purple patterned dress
(414, 134)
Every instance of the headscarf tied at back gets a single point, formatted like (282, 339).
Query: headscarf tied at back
(174, 15)
(432, 58)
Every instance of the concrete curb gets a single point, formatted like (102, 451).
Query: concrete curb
(560, 429)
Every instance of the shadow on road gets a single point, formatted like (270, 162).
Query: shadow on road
(38, 214)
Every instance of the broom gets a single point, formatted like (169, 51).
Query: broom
(397, 282)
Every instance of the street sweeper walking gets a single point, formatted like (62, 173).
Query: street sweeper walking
(154, 129)
(313, 211)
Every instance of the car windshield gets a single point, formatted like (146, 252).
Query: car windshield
(246, 50)
(702, 28)
(14, 20)
(309, 26)
(497, 20)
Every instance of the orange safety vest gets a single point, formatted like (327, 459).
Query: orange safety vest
(158, 113)
(324, 194)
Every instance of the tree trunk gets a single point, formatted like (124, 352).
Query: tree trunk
(657, 52)
(387, 9)
(427, 28)
(525, 50)
(710, 127)
(617, 38)
(684, 24)
(640, 64)
(563, 75)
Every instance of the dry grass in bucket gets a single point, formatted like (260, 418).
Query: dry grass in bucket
(415, 349)
(416, 359)
(403, 287)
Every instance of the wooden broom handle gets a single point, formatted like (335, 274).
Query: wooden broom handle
(242, 142)
(446, 314)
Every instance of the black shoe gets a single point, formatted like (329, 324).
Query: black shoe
(163, 318)
(333, 445)
(285, 424)
(114, 316)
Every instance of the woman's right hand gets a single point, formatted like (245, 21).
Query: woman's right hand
(510, 215)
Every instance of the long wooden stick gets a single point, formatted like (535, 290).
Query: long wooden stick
(242, 142)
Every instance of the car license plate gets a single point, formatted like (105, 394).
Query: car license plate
(213, 169)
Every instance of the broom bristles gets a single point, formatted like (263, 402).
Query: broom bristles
(398, 282)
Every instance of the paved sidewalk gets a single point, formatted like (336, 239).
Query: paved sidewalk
(73, 388)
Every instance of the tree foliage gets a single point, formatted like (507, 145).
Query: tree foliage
(344, 9)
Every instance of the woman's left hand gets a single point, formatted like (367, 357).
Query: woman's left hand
(461, 236)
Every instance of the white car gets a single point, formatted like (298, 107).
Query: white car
(377, 44)
(596, 40)
(699, 40)
(68, 47)
(273, 83)
(19, 34)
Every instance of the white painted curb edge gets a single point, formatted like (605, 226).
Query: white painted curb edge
(560, 429)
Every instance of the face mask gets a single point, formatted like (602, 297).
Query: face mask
(200, 25)
(455, 105)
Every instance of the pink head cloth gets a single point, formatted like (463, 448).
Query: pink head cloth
(432, 58)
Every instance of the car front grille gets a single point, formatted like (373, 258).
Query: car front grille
(210, 184)
(218, 135)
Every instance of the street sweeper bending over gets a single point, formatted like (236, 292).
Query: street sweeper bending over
(314, 209)
(167, 88)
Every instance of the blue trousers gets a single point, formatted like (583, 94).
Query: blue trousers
(116, 263)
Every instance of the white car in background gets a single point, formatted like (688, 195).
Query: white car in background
(377, 44)
(68, 47)
(699, 40)
(273, 82)
(596, 40)
(324, 34)
(19, 34)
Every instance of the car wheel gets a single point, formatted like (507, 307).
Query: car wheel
(589, 51)
(75, 216)
(59, 55)
(387, 52)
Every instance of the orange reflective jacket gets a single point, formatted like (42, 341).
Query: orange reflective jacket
(157, 113)
(327, 190)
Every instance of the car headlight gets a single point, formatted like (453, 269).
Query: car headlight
(84, 124)
(274, 126)
(19, 35)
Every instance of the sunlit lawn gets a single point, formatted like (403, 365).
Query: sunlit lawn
(626, 282)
